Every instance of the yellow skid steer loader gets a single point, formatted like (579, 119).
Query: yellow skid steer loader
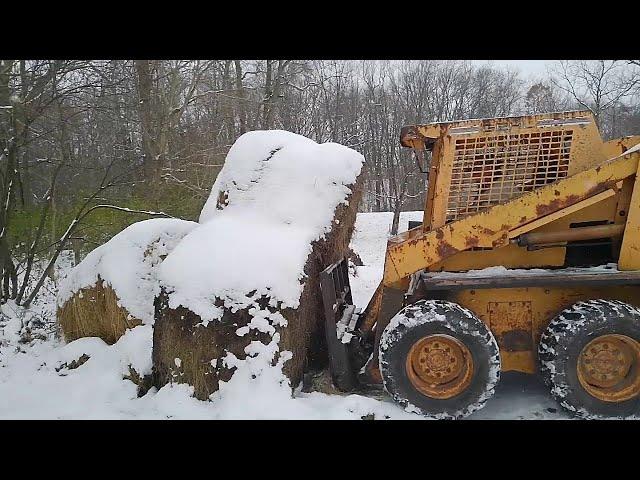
(527, 259)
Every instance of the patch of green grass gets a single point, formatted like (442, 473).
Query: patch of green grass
(101, 224)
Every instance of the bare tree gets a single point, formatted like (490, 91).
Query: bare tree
(542, 97)
(164, 127)
(597, 85)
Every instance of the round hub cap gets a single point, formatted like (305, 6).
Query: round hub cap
(439, 366)
(609, 368)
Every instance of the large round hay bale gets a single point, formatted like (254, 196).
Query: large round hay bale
(250, 273)
(114, 287)
(95, 312)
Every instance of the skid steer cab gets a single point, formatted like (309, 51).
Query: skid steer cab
(527, 259)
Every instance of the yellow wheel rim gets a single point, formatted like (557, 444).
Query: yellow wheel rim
(609, 368)
(439, 366)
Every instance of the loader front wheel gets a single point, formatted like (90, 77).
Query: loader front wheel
(439, 360)
(590, 358)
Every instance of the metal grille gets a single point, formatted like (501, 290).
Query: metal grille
(492, 169)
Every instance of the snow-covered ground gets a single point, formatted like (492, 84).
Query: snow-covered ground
(40, 378)
(369, 241)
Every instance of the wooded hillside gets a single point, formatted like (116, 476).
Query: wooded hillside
(88, 147)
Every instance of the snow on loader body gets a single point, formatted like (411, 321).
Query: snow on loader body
(505, 273)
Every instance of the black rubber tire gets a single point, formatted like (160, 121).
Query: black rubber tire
(561, 344)
(427, 317)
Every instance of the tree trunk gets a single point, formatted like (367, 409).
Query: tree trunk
(242, 112)
(268, 93)
(145, 109)
(8, 155)
(396, 216)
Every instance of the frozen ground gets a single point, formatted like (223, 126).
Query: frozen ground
(39, 379)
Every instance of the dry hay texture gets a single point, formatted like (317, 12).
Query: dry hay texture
(179, 334)
(94, 312)
(112, 289)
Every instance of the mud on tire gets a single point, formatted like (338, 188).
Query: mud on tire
(429, 317)
(560, 347)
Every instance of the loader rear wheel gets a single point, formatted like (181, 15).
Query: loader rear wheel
(590, 358)
(439, 360)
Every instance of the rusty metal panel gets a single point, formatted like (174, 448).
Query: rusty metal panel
(434, 169)
(630, 248)
(582, 205)
(511, 324)
(502, 309)
(618, 146)
(442, 182)
(510, 256)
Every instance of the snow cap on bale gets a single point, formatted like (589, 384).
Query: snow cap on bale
(276, 194)
(122, 274)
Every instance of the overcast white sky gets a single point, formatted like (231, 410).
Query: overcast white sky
(535, 68)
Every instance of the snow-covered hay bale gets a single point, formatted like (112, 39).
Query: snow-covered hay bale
(114, 287)
(94, 312)
(246, 282)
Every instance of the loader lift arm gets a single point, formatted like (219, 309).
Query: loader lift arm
(417, 249)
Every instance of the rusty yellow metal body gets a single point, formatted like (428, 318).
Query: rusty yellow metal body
(518, 316)
(492, 181)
